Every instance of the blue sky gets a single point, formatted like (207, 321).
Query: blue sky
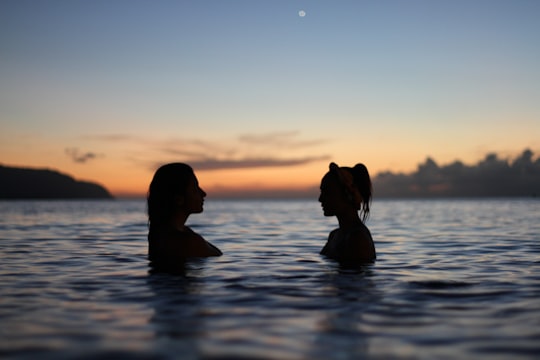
(386, 83)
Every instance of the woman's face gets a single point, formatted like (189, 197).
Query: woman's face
(194, 198)
(332, 198)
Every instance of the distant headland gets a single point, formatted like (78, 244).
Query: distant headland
(26, 183)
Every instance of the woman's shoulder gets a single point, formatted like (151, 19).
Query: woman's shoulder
(362, 244)
(183, 243)
(333, 233)
(360, 230)
(356, 244)
(197, 246)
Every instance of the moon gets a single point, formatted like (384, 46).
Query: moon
(301, 13)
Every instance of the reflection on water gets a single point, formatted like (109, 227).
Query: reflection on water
(177, 318)
(453, 279)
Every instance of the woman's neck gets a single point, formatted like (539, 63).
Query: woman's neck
(349, 220)
(179, 221)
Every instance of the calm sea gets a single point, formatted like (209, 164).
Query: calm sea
(454, 279)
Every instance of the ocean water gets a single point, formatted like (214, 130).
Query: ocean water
(454, 279)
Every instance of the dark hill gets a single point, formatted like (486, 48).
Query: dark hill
(23, 183)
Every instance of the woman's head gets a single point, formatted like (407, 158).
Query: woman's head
(343, 188)
(174, 188)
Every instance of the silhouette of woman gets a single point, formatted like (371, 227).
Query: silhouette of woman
(174, 194)
(344, 192)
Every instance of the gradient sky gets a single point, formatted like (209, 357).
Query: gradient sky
(253, 95)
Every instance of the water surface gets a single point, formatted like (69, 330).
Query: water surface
(454, 279)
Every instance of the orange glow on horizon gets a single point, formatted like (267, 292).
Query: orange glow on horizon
(224, 183)
(123, 176)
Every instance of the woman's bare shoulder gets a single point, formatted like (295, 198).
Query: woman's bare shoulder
(361, 243)
(197, 246)
(360, 231)
(183, 244)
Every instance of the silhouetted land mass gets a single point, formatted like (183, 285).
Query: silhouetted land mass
(23, 183)
(491, 177)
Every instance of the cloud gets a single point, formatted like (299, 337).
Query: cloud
(197, 149)
(79, 157)
(274, 149)
(490, 177)
(248, 151)
(286, 139)
(243, 163)
(113, 137)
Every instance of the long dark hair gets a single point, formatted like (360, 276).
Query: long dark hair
(169, 182)
(362, 181)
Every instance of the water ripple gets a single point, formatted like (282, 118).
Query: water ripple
(453, 279)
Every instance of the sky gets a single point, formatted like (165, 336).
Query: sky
(260, 95)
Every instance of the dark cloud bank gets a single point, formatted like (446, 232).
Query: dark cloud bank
(491, 177)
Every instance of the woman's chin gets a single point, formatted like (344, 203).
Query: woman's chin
(199, 210)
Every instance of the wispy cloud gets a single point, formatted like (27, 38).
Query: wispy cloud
(113, 137)
(242, 163)
(198, 149)
(79, 157)
(288, 139)
(276, 149)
